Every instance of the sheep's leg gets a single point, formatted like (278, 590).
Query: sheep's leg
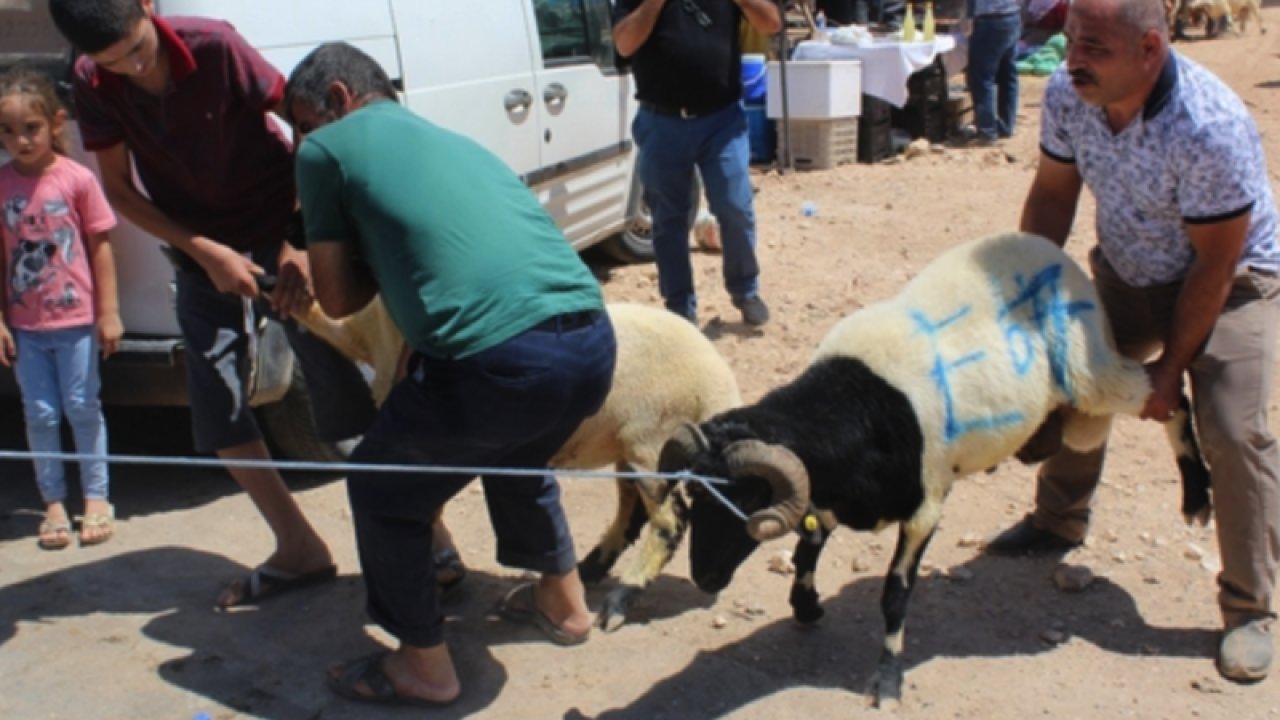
(1196, 505)
(668, 519)
(628, 520)
(804, 590)
(913, 538)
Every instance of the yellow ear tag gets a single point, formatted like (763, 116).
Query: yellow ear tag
(811, 523)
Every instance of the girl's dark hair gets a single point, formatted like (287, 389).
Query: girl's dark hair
(92, 26)
(37, 90)
(310, 80)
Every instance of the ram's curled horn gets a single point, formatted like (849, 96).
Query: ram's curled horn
(786, 476)
(685, 443)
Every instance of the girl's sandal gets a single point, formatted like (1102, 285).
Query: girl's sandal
(102, 523)
(54, 535)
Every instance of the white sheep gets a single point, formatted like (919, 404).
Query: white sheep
(951, 376)
(667, 373)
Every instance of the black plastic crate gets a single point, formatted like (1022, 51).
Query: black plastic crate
(875, 139)
(923, 119)
(875, 110)
(929, 82)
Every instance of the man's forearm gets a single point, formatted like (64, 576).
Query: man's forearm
(763, 15)
(140, 211)
(1050, 216)
(1200, 301)
(634, 30)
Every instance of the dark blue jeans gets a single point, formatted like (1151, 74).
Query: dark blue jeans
(992, 75)
(718, 146)
(511, 406)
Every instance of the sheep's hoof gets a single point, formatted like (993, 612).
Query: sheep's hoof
(808, 616)
(887, 683)
(614, 613)
(1198, 517)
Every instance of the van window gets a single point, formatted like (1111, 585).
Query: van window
(576, 32)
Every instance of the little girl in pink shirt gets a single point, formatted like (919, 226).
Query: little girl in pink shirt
(60, 308)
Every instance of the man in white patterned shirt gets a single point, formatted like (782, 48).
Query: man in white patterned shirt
(1186, 266)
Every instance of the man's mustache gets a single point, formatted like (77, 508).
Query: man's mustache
(1080, 76)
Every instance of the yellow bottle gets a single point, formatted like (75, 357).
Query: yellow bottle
(930, 27)
(908, 25)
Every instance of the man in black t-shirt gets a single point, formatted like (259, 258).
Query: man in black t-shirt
(687, 61)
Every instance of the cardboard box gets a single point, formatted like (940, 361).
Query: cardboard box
(816, 89)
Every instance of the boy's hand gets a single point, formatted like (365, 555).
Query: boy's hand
(110, 330)
(292, 294)
(230, 271)
(8, 348)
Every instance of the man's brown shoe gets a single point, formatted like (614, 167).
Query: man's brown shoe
(1027, 539)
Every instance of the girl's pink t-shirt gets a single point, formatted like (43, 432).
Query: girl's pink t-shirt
(47, 221)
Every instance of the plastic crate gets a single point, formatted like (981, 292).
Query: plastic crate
(875, 110)
(923, 118)
(875, 140)
(820, 144)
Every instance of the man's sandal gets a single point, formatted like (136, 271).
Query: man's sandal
(54, 535)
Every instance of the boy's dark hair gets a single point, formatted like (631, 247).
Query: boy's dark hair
(92, 26)
(310, 80)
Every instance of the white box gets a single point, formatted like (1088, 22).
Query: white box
(816, 89)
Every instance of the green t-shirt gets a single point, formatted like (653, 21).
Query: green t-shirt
(464, 254)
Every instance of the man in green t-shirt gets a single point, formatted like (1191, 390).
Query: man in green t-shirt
(510, 351)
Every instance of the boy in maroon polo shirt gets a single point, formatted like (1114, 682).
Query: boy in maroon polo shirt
(187, 100)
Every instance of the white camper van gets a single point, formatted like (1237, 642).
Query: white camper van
(535, 81)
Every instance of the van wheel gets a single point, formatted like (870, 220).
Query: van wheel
(635, 243)
(291, 431)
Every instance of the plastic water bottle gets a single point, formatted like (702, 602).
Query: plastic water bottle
(820, 23)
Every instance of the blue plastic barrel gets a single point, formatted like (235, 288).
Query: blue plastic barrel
(753, 78)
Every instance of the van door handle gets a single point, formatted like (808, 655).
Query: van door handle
(555, 94)
(517, 100)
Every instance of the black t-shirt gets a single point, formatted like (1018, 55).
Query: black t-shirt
(693, 58)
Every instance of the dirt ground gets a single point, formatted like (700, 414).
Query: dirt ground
(126, 630)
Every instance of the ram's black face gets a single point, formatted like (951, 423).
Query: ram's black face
(718, 539)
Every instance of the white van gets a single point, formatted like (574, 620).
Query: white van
(535, 81)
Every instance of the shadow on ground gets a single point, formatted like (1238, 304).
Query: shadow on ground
(975, 618)
(267, 662)
(136, 490)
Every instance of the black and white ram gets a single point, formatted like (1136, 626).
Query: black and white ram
(950, 377)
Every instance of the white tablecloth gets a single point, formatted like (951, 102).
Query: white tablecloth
(886, 64)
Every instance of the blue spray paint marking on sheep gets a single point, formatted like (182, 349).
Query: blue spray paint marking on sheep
(941, 373)
(1051, 315)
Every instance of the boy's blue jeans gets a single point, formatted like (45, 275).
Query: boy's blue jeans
(717, 145)
(511, 406)
(992, 75)
(57, 371)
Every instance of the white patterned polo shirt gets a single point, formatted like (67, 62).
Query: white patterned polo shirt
(1192, 156)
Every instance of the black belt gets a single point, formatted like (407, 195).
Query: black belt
(680, 112)
(567, 321)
